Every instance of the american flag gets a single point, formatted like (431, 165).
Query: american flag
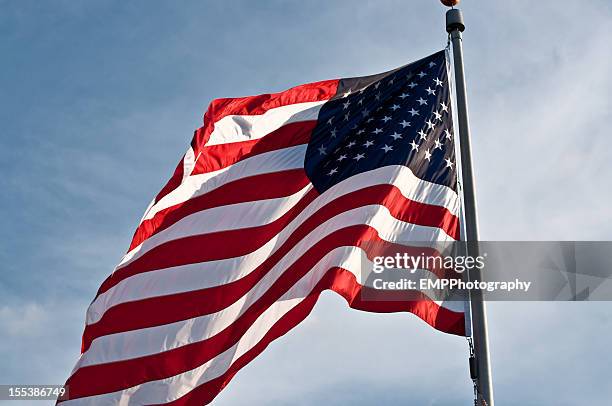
(269, 207)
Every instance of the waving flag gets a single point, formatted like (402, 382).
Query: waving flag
(269, 207)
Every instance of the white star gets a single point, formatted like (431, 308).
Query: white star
(358, 157)
(421, 101)
(395, 135)
(430, 124)
(403, 96)
(391, 81)
(322, 150)
(377, 85)
(346, 104)
(438, 82)
(412, 85)
(432, 64)
(385, 119)
(333, 133)
(377, 131)
(422, 75)
(360, 102)
(449, 163)
(350, 144)
(368, 143)
(448, 134)
(330, 120)
(427, 155)
(347, 94)
(444, 107)
(438, 115)
(360, 131)
(387, 148)
(377, 96)
(369, 120)
(430, 91)
(437, 144)
(415, 146)
(341, 158)
(395, 107)
(423, 135)
(405, 124)
(335, 170)
(414, 112)
(365, 112)
(346, 117)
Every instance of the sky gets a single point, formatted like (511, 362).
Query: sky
(98, 101)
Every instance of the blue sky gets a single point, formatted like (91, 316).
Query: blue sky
(99, 100)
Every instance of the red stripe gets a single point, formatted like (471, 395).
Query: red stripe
(160, 310)
(345, 284)
(252, 105)
(174, 181)
(205, 247)
(110, 377)
(257, 105)
(215, 157)
(278, 184)
(177, 177)
(220, 245)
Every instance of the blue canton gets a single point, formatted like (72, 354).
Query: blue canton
(402, 117)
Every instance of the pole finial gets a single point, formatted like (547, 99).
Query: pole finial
(454, 20)
(450, 3)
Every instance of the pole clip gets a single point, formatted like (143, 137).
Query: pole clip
(472, 360)
(473, 368)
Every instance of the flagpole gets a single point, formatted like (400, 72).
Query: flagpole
(484, 384)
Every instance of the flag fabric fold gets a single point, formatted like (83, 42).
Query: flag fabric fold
(271, 205)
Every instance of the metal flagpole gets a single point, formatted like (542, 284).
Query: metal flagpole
(484, 384)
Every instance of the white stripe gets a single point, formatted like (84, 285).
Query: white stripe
(172, 388)
(238, 128)
(188, 165)
(188, 162)
(220, 218)
(152, 340)
(197, 185)
(213, 273)
(411, 187)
